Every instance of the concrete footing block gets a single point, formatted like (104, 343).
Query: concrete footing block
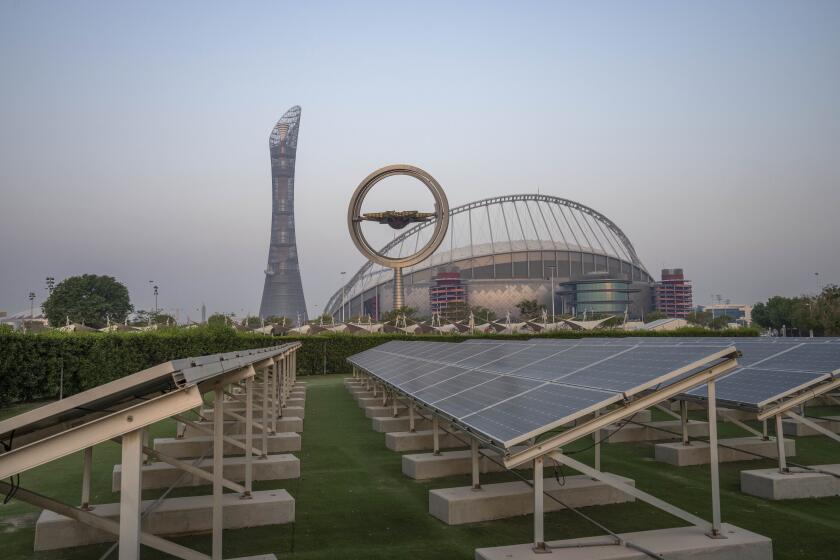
(399, 424)
(425, 466)
(367, 399)
(291, 401)
(293, 412)
(380, 411)
(162, 475)
(680, 543)
(456, 506)
(697, 452)
(421, 440)
(793, 428)
(770, 484)
(652, 431)
(284, 442)
(173, 517)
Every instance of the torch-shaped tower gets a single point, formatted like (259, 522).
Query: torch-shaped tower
(283, 290)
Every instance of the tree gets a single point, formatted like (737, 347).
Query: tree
(482, 314)
(252, 322)
(530, 309)
(279, 320)
(720, 322)
(827, 310)
(702, 318)
(88, 299)
(391, 315)
(218, 320)
(143, 318)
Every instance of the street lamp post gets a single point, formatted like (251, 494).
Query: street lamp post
(156, 301)
(50, 284)
(31, 305)
(553, 319)
(343, 297)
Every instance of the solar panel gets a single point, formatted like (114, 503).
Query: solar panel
(771, 368)
(507, 390)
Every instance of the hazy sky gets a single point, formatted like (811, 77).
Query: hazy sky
(134, 136)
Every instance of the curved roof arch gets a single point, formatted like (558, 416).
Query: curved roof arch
(506, 223)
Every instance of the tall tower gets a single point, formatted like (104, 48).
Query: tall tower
(283, 290)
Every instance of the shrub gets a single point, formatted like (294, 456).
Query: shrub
(31, 365)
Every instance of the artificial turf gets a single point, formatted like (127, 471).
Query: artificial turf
(353, 502)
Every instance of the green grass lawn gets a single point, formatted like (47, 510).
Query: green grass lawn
(352, 501)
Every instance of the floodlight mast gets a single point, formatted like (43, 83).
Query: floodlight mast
(355, 219)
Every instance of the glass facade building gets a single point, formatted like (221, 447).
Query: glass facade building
(283, 290)
(601, 296)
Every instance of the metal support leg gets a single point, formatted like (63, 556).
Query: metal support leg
(476, 457)
(597, 436)
(539, 536)
(411, 418)
(780, 445)
(249, 435)
(764, 434)
(435, 436)
(146, 459)
(130, 495)
(87, 469)
(684, 421)
(274, 407)
(713, 462)
(218, 465)
(395, 403)
(264, 434)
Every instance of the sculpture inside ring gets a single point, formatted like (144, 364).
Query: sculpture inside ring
(398, 219)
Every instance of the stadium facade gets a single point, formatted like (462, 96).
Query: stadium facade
(507, 249)
(283, 290)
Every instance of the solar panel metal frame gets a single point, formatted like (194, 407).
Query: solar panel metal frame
(44, 425)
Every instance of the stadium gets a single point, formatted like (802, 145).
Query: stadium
(502, 250)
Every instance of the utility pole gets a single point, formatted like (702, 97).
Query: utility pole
(31, 305)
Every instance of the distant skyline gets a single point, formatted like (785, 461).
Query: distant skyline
(132, 136)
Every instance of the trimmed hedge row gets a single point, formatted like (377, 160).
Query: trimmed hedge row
(32, 365)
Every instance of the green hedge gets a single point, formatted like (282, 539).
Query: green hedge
(31, 365)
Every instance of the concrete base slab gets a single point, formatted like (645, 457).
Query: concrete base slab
(298, 394)
(456, 506)
(162, 475)
(770, 484)
(424, 466)
(367, 399)
(697, 453)
(284, 442)
(681, 543)
(399, 424)
(793, 428)
(421, 440)
(670, 429)
(174, 516)
(293, 412)
(291, 401)
(385, 411)
(234, 428)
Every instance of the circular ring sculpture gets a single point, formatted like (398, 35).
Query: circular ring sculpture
(355, 219)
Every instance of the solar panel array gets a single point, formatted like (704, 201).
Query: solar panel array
(512, 391)
(770, 368)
